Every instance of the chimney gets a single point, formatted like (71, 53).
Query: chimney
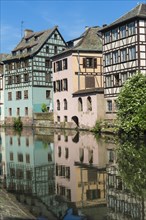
(27, 32)
(86, 28)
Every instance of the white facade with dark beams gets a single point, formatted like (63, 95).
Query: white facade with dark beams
(124, 53)
(28, 74)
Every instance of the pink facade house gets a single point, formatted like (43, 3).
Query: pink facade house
(78, 82)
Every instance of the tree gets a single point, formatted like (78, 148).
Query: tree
(132, 105)
(44, 107)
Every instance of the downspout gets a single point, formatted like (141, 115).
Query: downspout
(78, 71)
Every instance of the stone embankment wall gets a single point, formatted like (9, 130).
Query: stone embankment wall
(43, 119)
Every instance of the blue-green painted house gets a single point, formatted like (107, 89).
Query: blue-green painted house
(28, 74)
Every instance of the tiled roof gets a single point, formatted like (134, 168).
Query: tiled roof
(34, 40)
(138, 11)
(90, 41)
(89, 91)
(3, 56)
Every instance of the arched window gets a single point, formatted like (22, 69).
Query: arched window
(89, 103)
(58, 104)
(65, 104)
(80, 105)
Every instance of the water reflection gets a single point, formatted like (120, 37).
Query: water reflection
(67, 175)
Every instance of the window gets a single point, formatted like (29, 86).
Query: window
(123, 31)
(65, 118)
(107, 59)
(48, 93)
(65, 104)
(20, 157)
(80, 105)
(18, 111)
(107, 37)
(27, 158)
(26, 110)
(89, 82)
(124, 77)
(89, 104)
(115, 34)
(123, 55)
(10, 111)
(18, 95)
(11, 140)
(9, 96)
(108, 81)
(65, 85)
(59, 151)
(47, 77)
(25, 94)
(26, 63)
(27, 141)
(11, 156)
(58, 118)
(10, 80)
(18, 79)
(132, 53)
(115, 57)
(116, 79)
(58, 105)
(58, 85)
(18, 65)
(26, 77)
(131, 28)
(47, 49)
(58, 65)
(109, 105)
(19, 142)
(55, 36)
(48, 63)
(66, 152)
(81, 154)
(55, 49)
(64, 64)
(89, 62)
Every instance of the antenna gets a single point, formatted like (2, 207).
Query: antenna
(22, 22)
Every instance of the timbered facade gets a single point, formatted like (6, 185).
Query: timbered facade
(78, 83)
(28, 74)
(124, 53)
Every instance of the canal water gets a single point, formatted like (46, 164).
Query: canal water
(74, 175)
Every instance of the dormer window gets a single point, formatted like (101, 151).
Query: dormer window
(36, 38)
(29, 49)
(21, 51)
(14, 53)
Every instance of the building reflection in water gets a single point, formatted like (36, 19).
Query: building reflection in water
(63, 171)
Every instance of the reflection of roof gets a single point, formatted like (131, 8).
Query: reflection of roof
(34, 40)
(88, 91)
(138, 11)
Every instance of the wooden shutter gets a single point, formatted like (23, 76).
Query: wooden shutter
(95, 62)
(84, 62)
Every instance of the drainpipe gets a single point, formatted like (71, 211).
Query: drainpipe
(78, 71)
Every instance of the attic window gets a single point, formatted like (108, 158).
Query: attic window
(29, 49)
(14, 53)
(55, 36)
(36, 38)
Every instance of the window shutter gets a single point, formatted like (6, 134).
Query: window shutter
(54, 86)
(54, 68)
(84, 62)
(95, 62)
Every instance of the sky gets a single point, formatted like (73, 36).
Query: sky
(71, 16)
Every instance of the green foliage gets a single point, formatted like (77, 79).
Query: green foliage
(131, 160)
(97, 127)
(44, 107)
(132, 105)
(17, 123)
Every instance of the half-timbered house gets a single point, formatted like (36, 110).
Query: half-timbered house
(78, 84)
(28, 74)
(124, 53)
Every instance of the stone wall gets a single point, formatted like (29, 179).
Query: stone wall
(43, 120)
